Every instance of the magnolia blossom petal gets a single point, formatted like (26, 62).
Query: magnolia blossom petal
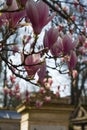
(50, 37)
(56, 50)
(73, 60)
(32, 12)
(38, 13)
(13, 6)
(2, 19)
(67, 44)
(32, 64)
(42, 73)
(43, 11)
(50, 18)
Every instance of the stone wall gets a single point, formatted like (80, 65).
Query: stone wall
(53, 116)
(9, 124)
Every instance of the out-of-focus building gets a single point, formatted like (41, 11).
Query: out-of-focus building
(9, 120)
(50, 116)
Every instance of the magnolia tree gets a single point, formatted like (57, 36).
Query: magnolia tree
(72, 18)
(64, 43)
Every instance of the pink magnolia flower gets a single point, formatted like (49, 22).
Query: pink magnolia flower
(1, 19)
(50, 37)
(57, 94)
(15, 49)
(82, 50)
(10, 93)
(81, 39)
(13, 5)
(68, 44)
(57, 48)
(42, 73)
(47, 86)
(38, 103)
(48, 80)
(18, 96)
(38, 13)
(74, 73)
(17, 87)
(32, 64)
(72, 61)
(85, 44)
(47, 98)
(62, 46)
(73, 17)
(42, 90)
(12, 79)
(11, 19)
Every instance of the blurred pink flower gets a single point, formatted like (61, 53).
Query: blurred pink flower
(82, 50)
(17, 87)
(38, 13)
(62, 46)
(74, 73)
(32, 64)
(73, 60)
(57, 94)
(50, 37)
(57, 48)
(11, 19)
(42, 90)
(68, 44)
(15, 17)
(18, 96)
(42, 73)
(15, 49)
(81, 39)
(38, 103)
(47, 98)
(12, 79)
(47, 86)
(2, 19)
(10, 93)
(13, 5)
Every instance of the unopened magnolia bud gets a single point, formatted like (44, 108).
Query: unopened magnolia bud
(47, 86)
(39, 103)
(42, 90)
(74, 73)
(57, 94)
(50, 81)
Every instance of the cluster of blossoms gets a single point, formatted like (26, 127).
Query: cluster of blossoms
(55, 44)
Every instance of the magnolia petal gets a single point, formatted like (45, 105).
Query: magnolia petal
(38, 13)
(13, 6)
(67, 44)
(32, 12)
(56, 50)
(42, 73)
(50, 37)
(73, 60)
(32, 64)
